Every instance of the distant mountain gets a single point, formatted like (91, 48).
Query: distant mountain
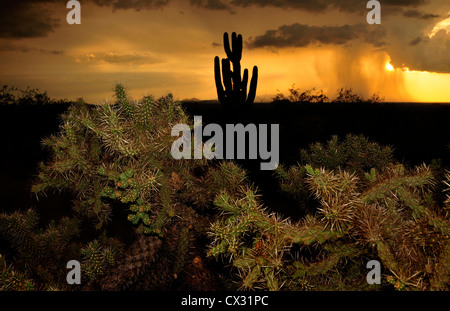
(196, 100)
(193, 99)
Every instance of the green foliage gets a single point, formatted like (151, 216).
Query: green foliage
(96, 258)
(11, 280)
(355, 154)
(259, 243)
(118, 152)
(39, 253)
(20, 229)
(136, 259)
(202, 190)
(447, 183)
(117, 156)
(360, 205)
(366, 209)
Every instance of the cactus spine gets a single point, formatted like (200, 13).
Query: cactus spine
(235, 91)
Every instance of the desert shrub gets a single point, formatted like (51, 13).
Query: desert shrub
(117, 156)
(297, 95)
(387, 215)
(118, 152)
(354, 154)
(11, 95)
(12, 280)
(39, 253)
(344, 95)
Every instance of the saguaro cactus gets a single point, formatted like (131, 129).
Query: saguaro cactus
(235, 91)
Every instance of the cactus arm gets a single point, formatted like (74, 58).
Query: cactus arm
(253, 83)
(226, 45)
(237, 83)
(238, 49)
(218, 78)
(227, 78)
(244, 87)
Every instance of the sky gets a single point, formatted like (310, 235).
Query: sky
(160, 46)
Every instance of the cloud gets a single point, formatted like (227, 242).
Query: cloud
(134, 58)
(8, 47)
(418, 14)
(426, 54)
(415, 41)
(132, 4)
(300, 35)
(306, 5)
(357, 5)
(211, 4)
(31, 18)
(418, 52)
(26, 19)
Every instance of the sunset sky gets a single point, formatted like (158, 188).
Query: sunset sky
(161, 46)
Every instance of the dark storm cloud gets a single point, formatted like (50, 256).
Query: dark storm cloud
(25, 49)
(32, 18)
(428, 54)
(306, 5)
(415, 41)
(132, 4)
(357, 5)
(211, 4)
(299, 35)
(26, 19)
(418, 14)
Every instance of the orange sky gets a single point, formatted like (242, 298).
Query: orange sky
(170, 48)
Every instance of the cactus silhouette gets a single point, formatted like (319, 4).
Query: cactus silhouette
(235, 91)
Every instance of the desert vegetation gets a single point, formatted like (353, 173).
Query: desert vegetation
(12, 95)
(140, 220)
(343, 95)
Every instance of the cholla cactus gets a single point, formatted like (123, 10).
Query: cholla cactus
(96, 258)
(386, 214)
(137, 258)
(12, 280)
(118, 155)
(355, 154)
(260, 244)
(119, 152)
(39, 253)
